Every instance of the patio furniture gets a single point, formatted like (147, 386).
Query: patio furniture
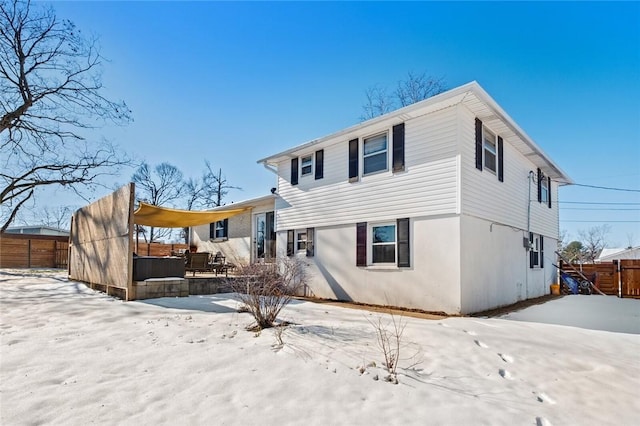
(198, 262)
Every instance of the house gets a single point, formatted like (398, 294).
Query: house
(244, 238)
(609, 254)
(444, 205)
(37, 230)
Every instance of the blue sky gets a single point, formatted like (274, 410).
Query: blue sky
(233, 82)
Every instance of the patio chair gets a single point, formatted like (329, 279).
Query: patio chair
(198, 262)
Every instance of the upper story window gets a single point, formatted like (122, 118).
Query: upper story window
(544, 190)
(306, 165)
(383, 243)
(490, 151)
(374, 154)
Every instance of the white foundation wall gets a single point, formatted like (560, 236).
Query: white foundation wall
(495, 266)
(431, 283)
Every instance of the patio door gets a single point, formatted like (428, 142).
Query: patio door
(264, 237)
(259, 239)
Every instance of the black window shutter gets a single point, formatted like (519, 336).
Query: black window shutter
(531, 254)
(361, 244)
(320, 164)
(404, 255)
(478, 144)
(541, 251)
(212, 230)
(398, 147)
(294, 171)
(353, 158)
(549, 191)
(290, 242)
(225, 228)
(310, 242)
(540, 177)
(500, 159)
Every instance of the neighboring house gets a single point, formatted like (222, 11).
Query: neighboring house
(248, 237)
(443, 205)
(609, 254)
(37, 230)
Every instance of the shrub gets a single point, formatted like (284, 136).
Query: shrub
(267, 288)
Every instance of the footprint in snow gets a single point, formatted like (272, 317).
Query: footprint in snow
(481, 344)
(505, 374)
(470, 333)
(506, 358)
(443, 324)
(543, 397)
(541, 421)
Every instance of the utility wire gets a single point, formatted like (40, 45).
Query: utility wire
(605, 187)
(596, 202)
(602, 221)
(598, 209)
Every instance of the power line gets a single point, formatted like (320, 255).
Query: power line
(605, 187)
(602, 221)
(599, 203)
(598, 209)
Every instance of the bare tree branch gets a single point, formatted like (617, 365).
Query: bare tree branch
(50, 80)
(415, 88)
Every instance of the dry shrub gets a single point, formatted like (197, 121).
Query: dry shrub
(267, 288)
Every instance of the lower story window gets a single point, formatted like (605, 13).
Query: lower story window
(302, 241)
(536, 255)
(383, 243)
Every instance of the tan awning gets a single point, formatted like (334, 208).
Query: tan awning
(163, 217)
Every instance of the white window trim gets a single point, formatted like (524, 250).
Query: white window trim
(362, 155)
(544, 190)
(535, 247)
(370, 245)
(486, 147)
(311, 164)
(297, 240)
(220, 226)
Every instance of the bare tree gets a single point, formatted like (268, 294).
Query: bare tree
(412, 89)
(161, 186)
(417, 87)
(378, 102)
(51, 94)
(594, 240)
(216, 186)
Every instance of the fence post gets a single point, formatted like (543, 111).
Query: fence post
(618, 273)
(29, 253)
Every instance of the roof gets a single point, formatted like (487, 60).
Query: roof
(476, 99)
(37, 230)
(619, 253)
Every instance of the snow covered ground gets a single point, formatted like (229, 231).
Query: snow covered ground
(72, 356)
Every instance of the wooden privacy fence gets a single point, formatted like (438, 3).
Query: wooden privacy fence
(33, 251)
(158, 249)
(619, 277)
(48, 251)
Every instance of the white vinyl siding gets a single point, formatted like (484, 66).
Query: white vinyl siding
(483, 196)
(428, 186)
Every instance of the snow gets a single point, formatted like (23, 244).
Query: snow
(72, 356)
